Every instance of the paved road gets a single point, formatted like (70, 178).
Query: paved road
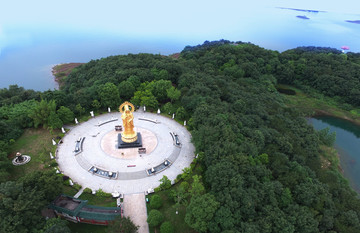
(131, 179)
(135, 208)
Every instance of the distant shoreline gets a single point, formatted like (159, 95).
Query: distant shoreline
(303, 10)
(61, 71)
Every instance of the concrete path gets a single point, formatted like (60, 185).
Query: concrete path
(78, 194)
(135, 208)
(132, 176)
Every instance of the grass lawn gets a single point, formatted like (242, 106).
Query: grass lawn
(36, 143)
(169, 212)
(68, 190)
(99, 201)
(329, 158)
(319, 105)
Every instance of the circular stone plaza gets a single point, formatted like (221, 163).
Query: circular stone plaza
(89, 153)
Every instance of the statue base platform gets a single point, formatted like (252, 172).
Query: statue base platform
(123, 145)
(25, 160)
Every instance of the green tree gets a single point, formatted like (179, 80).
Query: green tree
(135, 81)
(96, 104)
(56, 225)
(54, 122)
(42, 111)
(165, 183)
(187, 172)
(145, 98)
(173, 93)
(126, 90)
(155, 218)
(180, 113)
(200, 211)
(46, 182)
(109, 95)
(136, 99)
(122, 225)
(149, 100)
(168, 108)
(79, 109)
(65, 114)
(19, 113)
(180, 194)
(155, 201)
(18, 206)
(160, 74)
(166, 227)
(5, 165)
(160, 88)
(21, 202)
(326, 137)
(197, 187)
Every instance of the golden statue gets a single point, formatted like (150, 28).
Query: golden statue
(129, 134)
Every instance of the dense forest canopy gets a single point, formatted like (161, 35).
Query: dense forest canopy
(260, 159)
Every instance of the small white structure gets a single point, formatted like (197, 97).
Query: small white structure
(92, 113)
(53, 142)
(144, 108)
(173, 116)
(115, 194)
(109, 110)
(76, 121)
(158, 112)
(51, 156)
(184, 123)
(150, 190)
(63, 130)
(71, 182)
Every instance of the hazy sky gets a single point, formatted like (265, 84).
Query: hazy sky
(154, 17)
(180, 20)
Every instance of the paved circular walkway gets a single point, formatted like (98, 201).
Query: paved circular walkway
(99, 150)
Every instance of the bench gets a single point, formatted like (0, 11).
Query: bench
(142, 150)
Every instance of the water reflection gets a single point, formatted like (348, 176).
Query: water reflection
(347, 144)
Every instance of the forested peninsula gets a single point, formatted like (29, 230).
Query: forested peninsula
(259, 166)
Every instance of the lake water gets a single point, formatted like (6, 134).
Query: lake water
(347, 144)
(27, 53)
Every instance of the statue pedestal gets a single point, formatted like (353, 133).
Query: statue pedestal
(122, 144)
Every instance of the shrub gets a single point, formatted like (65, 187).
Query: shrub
(165, 183)
(155, 218)
(101, 193)
(155, 201)
(166, 227)
(66, 182)
(87, 190)
(54, 164)
(77, 187)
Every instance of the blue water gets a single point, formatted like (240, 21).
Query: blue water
(347, 144)
(27, 53)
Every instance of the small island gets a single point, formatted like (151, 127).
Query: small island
(353, 21)
(302, 17)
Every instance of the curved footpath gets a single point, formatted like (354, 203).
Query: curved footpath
(129, 166)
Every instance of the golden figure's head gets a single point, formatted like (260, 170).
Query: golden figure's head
(125, 107)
